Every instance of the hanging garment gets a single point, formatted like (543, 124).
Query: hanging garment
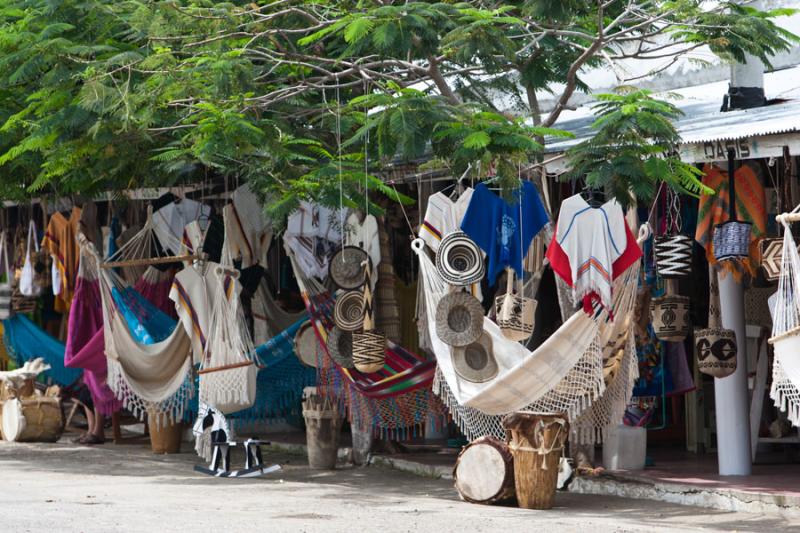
(592, 239)
(248, 233)
(172, 218)
(365, 236)
(560, 263)
(193, 292)
(313, 234)
(713, 210)
(60, 242)
(444, 216)
(504, 231)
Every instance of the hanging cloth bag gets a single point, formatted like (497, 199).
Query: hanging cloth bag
(670, 314)
(715, 346)
(6, 289)
(732, 238)
(369, 352)
(28, 278)
(673, 251)
(515, 313)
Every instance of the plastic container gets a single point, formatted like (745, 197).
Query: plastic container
(625, 448)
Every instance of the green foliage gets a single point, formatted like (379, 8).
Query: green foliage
(633, 149)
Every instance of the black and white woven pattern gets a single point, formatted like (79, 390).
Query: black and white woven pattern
(459, 319)
(369, 351)
(671, 317)
(459, 260)
(732, 240)
(5, 301)
(673, 255)
(340, 347)
(349, 311)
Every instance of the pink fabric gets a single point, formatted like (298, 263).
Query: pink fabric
(85, 347)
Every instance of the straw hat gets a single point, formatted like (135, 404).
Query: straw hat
(475, 362)
(459, 260)
(349, 310)
(347, 269)
(340, 347)
(305, 345)
(459, 319)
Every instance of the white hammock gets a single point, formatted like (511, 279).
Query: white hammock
(785, 390)
(536, 383)
(151, 378)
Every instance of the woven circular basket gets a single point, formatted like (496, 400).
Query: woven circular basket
(349, 311)
(459, 319)
(346, 268)
(716, 351)
(459, 260)
(671, 317)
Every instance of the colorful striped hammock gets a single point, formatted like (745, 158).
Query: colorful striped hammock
(393, 400)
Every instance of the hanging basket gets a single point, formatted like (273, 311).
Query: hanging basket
(732, 240)
(346, 268)
(671, 317)
(673, 255)
(369, 351)
(715, 346)
(514, 313)
(348, 313)
(716, 351)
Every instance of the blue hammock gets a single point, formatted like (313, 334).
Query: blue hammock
(26, 341)
(147, 323)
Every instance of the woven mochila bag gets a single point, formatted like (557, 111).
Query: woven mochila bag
(715, 346)
(670, 316)
(731, 239)
(673, 251)
(6, 289)
(369, 346)
(514, 312)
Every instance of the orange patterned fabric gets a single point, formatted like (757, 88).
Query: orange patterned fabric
(750, 207)
(60, 241)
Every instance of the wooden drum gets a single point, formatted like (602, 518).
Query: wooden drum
(484, 472)
(306, 345)
(536, 443)
(32, 420)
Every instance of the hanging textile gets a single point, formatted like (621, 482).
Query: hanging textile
(504, 231)
(714, 210)
(60, 242)
(25, 341)
(173, 217)
(247, 231)
(313, 233)
(394, 400)
(149, 367)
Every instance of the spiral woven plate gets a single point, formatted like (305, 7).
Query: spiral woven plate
(348, 313)
(347, 268)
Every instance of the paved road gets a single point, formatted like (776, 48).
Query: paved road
(67, 488)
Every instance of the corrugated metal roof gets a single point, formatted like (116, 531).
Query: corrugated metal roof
(703, 121)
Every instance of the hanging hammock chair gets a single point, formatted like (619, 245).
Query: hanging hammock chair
(149, 358)
(785, 389)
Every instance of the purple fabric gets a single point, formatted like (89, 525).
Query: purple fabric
(85, 347)
(682, 381)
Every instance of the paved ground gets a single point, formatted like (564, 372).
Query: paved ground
(66, 488)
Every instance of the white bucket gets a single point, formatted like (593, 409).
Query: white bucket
(624, 448)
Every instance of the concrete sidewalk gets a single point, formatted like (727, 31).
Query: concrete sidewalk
(69, 488)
